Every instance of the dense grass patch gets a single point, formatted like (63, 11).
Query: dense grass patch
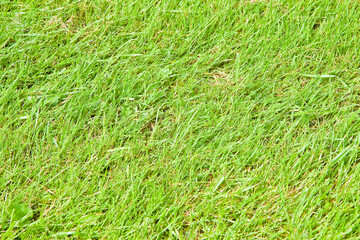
(179, 119)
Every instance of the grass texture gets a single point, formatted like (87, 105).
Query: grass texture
(179, 119)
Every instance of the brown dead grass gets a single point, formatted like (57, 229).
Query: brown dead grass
(221, 79)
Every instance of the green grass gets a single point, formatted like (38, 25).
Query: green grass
(180, 119)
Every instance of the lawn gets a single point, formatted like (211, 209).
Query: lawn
(180, 119)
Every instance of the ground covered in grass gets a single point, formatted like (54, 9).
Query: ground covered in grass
(179, 119)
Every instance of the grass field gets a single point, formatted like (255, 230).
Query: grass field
(179, 119)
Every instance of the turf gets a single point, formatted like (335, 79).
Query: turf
(179, 119)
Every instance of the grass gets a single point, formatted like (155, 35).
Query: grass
(179, 119)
